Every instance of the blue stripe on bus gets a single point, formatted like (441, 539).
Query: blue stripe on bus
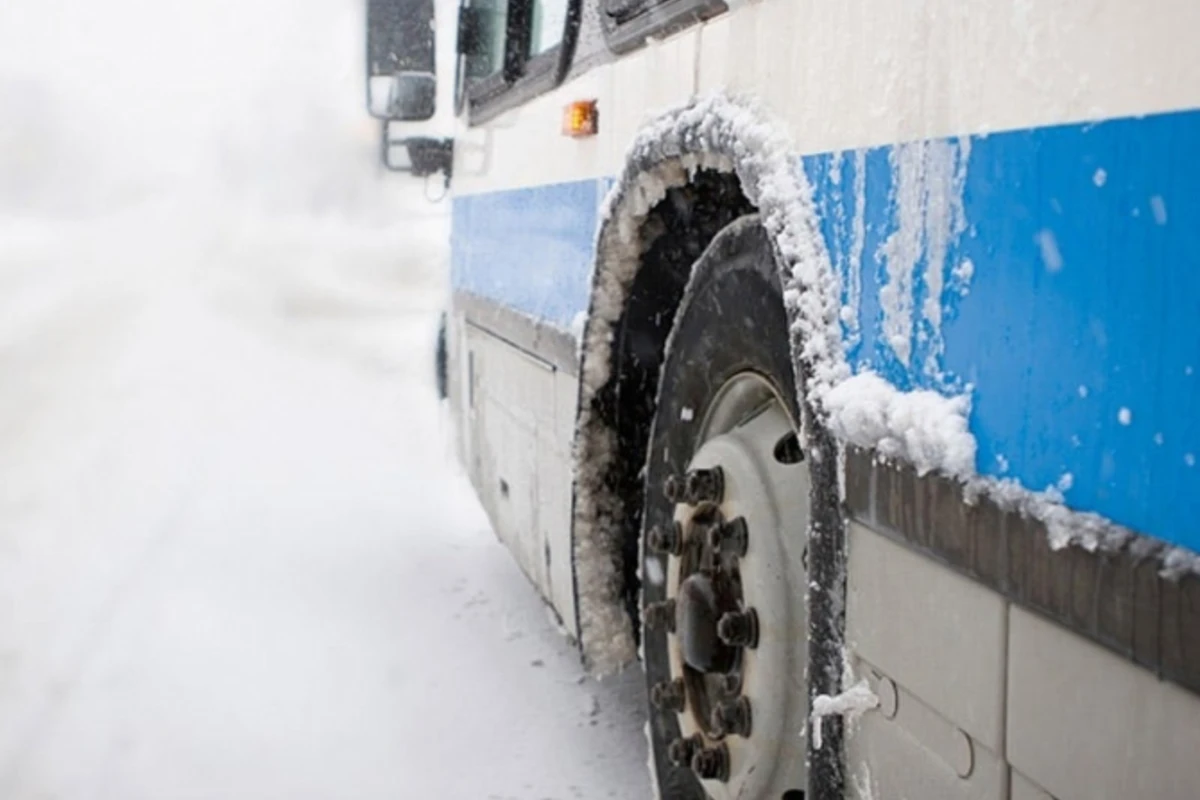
(1077, 332)
(1080, 328)
(530, 249)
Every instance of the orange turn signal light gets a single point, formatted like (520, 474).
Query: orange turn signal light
(580, 119)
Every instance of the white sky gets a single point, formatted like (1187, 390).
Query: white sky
(234, 92)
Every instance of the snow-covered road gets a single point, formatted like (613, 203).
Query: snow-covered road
(236, 559)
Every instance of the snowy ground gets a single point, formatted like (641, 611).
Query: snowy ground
(236, 558)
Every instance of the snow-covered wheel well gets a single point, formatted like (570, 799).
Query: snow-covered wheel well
(686, 176)
(673, 234)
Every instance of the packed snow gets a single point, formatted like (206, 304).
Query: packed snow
(850, 704)
(922, 427)
(1047, 244)
(237, 559)
(902, 249)
(853, 319)
(1158, 207)
(929, 180)
(962, 275)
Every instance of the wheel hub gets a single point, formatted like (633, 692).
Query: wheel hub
(699, 608)
(736, 637)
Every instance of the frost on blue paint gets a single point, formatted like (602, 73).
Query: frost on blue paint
(893, 219)
(529, 249)
(1073, 281)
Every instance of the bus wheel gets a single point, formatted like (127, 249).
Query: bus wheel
(726, 508)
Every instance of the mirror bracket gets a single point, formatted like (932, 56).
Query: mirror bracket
(426, 155)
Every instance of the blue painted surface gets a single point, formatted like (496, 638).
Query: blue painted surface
(530, 249)
(1084, 298)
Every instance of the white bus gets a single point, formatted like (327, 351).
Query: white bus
(838, 363)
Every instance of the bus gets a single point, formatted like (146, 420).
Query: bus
(838, 365)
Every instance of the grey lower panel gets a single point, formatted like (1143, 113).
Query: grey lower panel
(932, 645)
(1116, 599)
(978, 697)
(1084, 723)
(908, 615)
(553, 345)
(887, 759)
(1021, 788)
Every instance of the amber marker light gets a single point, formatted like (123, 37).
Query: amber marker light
(579, 119)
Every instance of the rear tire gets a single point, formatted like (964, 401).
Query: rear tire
(440, 360)
(728, 345)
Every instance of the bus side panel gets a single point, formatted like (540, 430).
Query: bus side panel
(512, 411)
(1052, 274)
(521, 262)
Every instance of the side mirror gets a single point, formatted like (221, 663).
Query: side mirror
(421, 156)
(401, 68)
(406, 96)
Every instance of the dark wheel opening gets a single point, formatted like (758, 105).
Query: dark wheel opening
(787, 449)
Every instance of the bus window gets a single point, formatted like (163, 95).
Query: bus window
(493, 14)
(549, 20)
(514, 50)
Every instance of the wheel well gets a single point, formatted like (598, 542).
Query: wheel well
(677, 231)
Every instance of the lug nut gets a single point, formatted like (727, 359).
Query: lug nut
(711, 763)
(673, 489)
(732, 536)
(661, 615)
(705, 485)
(707, 517)
(681, 751)
(739, 628)
(732, 717)
(669, 695)
(668, 540)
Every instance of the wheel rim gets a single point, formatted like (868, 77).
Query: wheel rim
(736, 627)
